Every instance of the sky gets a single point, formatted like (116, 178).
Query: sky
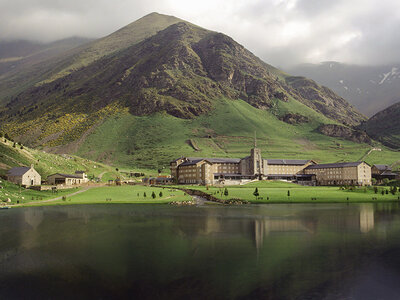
(281, 32)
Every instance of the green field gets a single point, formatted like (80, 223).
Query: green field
(21, 195)
(277, 192)
(151, 142)
(122, 194)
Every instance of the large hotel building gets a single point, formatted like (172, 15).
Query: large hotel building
(194, 170)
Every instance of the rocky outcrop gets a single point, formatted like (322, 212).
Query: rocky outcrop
(346, 133)
(292, 118)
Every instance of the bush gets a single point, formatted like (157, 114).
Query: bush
(153, 195)
(256, 193)
(160, 194)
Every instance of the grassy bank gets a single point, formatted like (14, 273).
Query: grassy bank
(277, 192)
(122, 194)
(22, 196)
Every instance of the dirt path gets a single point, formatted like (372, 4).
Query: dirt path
(101, 174)
(58, 198)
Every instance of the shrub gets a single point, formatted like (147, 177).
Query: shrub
(226, 193)
(153, 195)
(256, 193)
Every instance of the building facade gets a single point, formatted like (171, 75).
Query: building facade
(65, 179)
(348, 173)
(235, 170)
(26, 176)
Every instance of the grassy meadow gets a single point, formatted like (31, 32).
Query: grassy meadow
(22, 196)
(277, 192)
(123, 194)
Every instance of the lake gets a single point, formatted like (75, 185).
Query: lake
(298, 251)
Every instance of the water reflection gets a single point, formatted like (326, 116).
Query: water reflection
(265, 251)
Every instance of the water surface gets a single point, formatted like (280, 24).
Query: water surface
(314, 251)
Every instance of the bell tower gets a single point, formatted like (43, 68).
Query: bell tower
(256, 159)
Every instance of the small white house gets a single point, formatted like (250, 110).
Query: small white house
(82, 175)
(26, 176)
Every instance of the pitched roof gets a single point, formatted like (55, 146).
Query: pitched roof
(383, 167)
(388, 173)
(194, 160)
(18, 171)
(297, 162)
(66, 175)
(335, 165)
(224, 160)
(191, 162)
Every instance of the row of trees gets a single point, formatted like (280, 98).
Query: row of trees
(153, 195)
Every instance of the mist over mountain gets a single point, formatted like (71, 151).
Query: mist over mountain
(369, 88)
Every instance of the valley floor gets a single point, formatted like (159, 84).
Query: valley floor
(284, 192)
(269, 192)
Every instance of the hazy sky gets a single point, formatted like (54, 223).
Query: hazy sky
(281, 32)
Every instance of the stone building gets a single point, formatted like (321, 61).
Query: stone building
(235, 170)
(26, 176)
(65, 179)
(347, 173)
(288, 169)
(83, 175)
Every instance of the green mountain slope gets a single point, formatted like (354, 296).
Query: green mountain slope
(385, 126)
(180, 70)
(48, 163)
(228, 131)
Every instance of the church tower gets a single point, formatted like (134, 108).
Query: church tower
(256, 164)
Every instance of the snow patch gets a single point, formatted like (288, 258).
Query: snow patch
(394, 72)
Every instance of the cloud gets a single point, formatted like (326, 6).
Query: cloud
(281, 32)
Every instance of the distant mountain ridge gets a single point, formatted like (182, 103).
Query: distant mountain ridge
(369, 88)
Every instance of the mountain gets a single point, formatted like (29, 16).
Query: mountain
(17, 55)
(161, 87)
(369, 88)
(385, 126)
(71, 60)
